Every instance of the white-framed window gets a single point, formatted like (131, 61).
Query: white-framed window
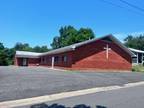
(43, 60)
(134, 59)
(64, 58)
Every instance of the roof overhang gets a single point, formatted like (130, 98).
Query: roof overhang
(26, 54)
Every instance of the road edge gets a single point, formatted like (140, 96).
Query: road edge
(52, 97)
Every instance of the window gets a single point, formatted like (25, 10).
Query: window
(45, 60)
(48, 59)
(56, 59)
(42, 59)
(64, 58)
(134, 59)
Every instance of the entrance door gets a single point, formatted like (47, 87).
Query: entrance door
(25, 62)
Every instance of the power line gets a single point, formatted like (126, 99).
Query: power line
(119, 6)
(111, 3)
(132, 5)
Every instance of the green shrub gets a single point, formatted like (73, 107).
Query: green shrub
(138, 68)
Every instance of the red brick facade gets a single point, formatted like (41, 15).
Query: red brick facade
(92, 57)
(88, 56)
(59, 62)
(30, 61)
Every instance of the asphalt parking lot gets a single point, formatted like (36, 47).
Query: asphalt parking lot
(26, 82)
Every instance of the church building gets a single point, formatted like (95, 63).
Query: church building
(104, 53)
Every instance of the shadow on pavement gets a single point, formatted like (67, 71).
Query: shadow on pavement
(43, 105)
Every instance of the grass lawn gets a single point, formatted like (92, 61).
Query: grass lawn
(138, 68)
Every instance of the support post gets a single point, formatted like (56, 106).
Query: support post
(52, 63)
(137, 59)
(142, 59)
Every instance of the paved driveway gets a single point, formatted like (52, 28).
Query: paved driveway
(26, 82)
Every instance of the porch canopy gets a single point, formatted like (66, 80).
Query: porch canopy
(139, 56)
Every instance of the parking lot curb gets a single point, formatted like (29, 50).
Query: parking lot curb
(46, 98)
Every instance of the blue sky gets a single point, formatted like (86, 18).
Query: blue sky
(37, 21)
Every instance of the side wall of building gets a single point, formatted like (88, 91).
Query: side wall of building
(18, 61)
(33, 61)
(30, 61)
(94, 56)
(60, 60)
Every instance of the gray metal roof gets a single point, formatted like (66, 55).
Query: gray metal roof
(27, 54)
(73, 46)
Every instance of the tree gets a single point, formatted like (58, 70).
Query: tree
(84, 34)
(10, 52)
(40, 49)
(136, 42)
(22, 47)
(3, 55)
(44, 48)
(56, 42)
(1, 46)
(69, 35)
(3, 58)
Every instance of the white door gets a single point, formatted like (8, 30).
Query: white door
(24, 62)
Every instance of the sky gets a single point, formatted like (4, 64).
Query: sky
(37, 21)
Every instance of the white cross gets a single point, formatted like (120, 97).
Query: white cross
(107, 50)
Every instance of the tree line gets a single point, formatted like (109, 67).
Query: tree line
(67, 35)
(135, 41)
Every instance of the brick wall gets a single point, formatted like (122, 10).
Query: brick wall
(33, 61)
(94, 56)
